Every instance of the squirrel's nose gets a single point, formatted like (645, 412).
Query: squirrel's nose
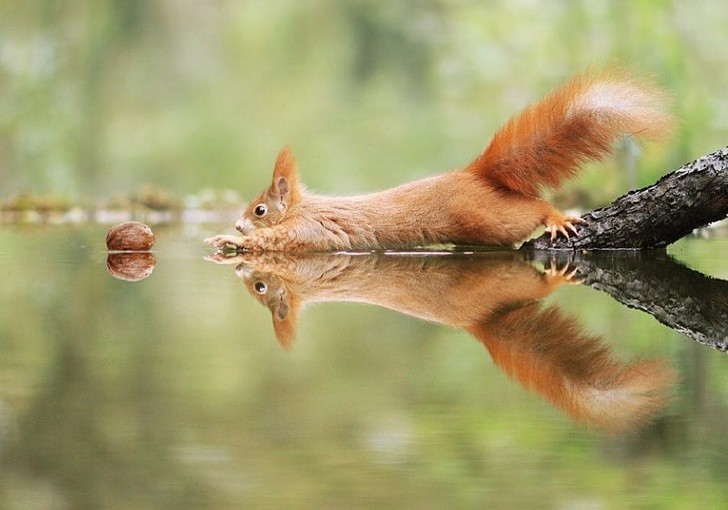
(243, 226)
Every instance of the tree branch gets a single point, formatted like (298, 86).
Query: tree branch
(653, 217)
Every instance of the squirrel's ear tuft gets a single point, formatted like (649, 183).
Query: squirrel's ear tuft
(285, 186)
(284, 322)
(286, 165)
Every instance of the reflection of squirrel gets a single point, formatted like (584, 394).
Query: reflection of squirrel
(496, 297)
(492, 201)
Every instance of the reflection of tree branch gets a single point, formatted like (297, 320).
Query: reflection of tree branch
(682, 299)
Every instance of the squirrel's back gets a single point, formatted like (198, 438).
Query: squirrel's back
(580, 121)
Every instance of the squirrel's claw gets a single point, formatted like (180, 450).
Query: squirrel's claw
(563, 275)
(561, 225)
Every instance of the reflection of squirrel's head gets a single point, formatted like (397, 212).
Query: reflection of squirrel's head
(271, 291)
(271, 206)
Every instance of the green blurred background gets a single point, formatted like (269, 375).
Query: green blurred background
(100, 97)
(172, 393)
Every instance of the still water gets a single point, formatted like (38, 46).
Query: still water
(385, 381)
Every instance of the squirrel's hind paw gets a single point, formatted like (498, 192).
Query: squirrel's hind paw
(562, 225)
(567, 274)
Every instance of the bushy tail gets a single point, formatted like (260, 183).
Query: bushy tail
(547, 142)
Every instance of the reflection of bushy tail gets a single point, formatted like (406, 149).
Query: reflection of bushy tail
(624, 396)
(580, 121)
(549, 354)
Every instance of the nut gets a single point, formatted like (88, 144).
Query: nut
(130, 236)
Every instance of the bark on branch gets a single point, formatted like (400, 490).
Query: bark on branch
(653, 217)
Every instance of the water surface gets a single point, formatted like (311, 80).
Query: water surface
(352, 381)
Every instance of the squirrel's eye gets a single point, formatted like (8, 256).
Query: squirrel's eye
(260, 210)
(260, 287)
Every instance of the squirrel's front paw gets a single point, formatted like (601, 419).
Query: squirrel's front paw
(222, 240)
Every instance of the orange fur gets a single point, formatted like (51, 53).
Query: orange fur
(549, 354)
(546, 143)
(492, 201)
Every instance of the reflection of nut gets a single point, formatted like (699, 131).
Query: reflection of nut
(129, 236)
(130, 266)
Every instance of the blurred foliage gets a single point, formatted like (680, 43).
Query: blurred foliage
(99, 97)
(44, 204)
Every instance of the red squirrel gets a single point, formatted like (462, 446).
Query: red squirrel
(492, 201)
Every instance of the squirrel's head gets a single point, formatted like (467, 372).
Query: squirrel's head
(273, 204)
